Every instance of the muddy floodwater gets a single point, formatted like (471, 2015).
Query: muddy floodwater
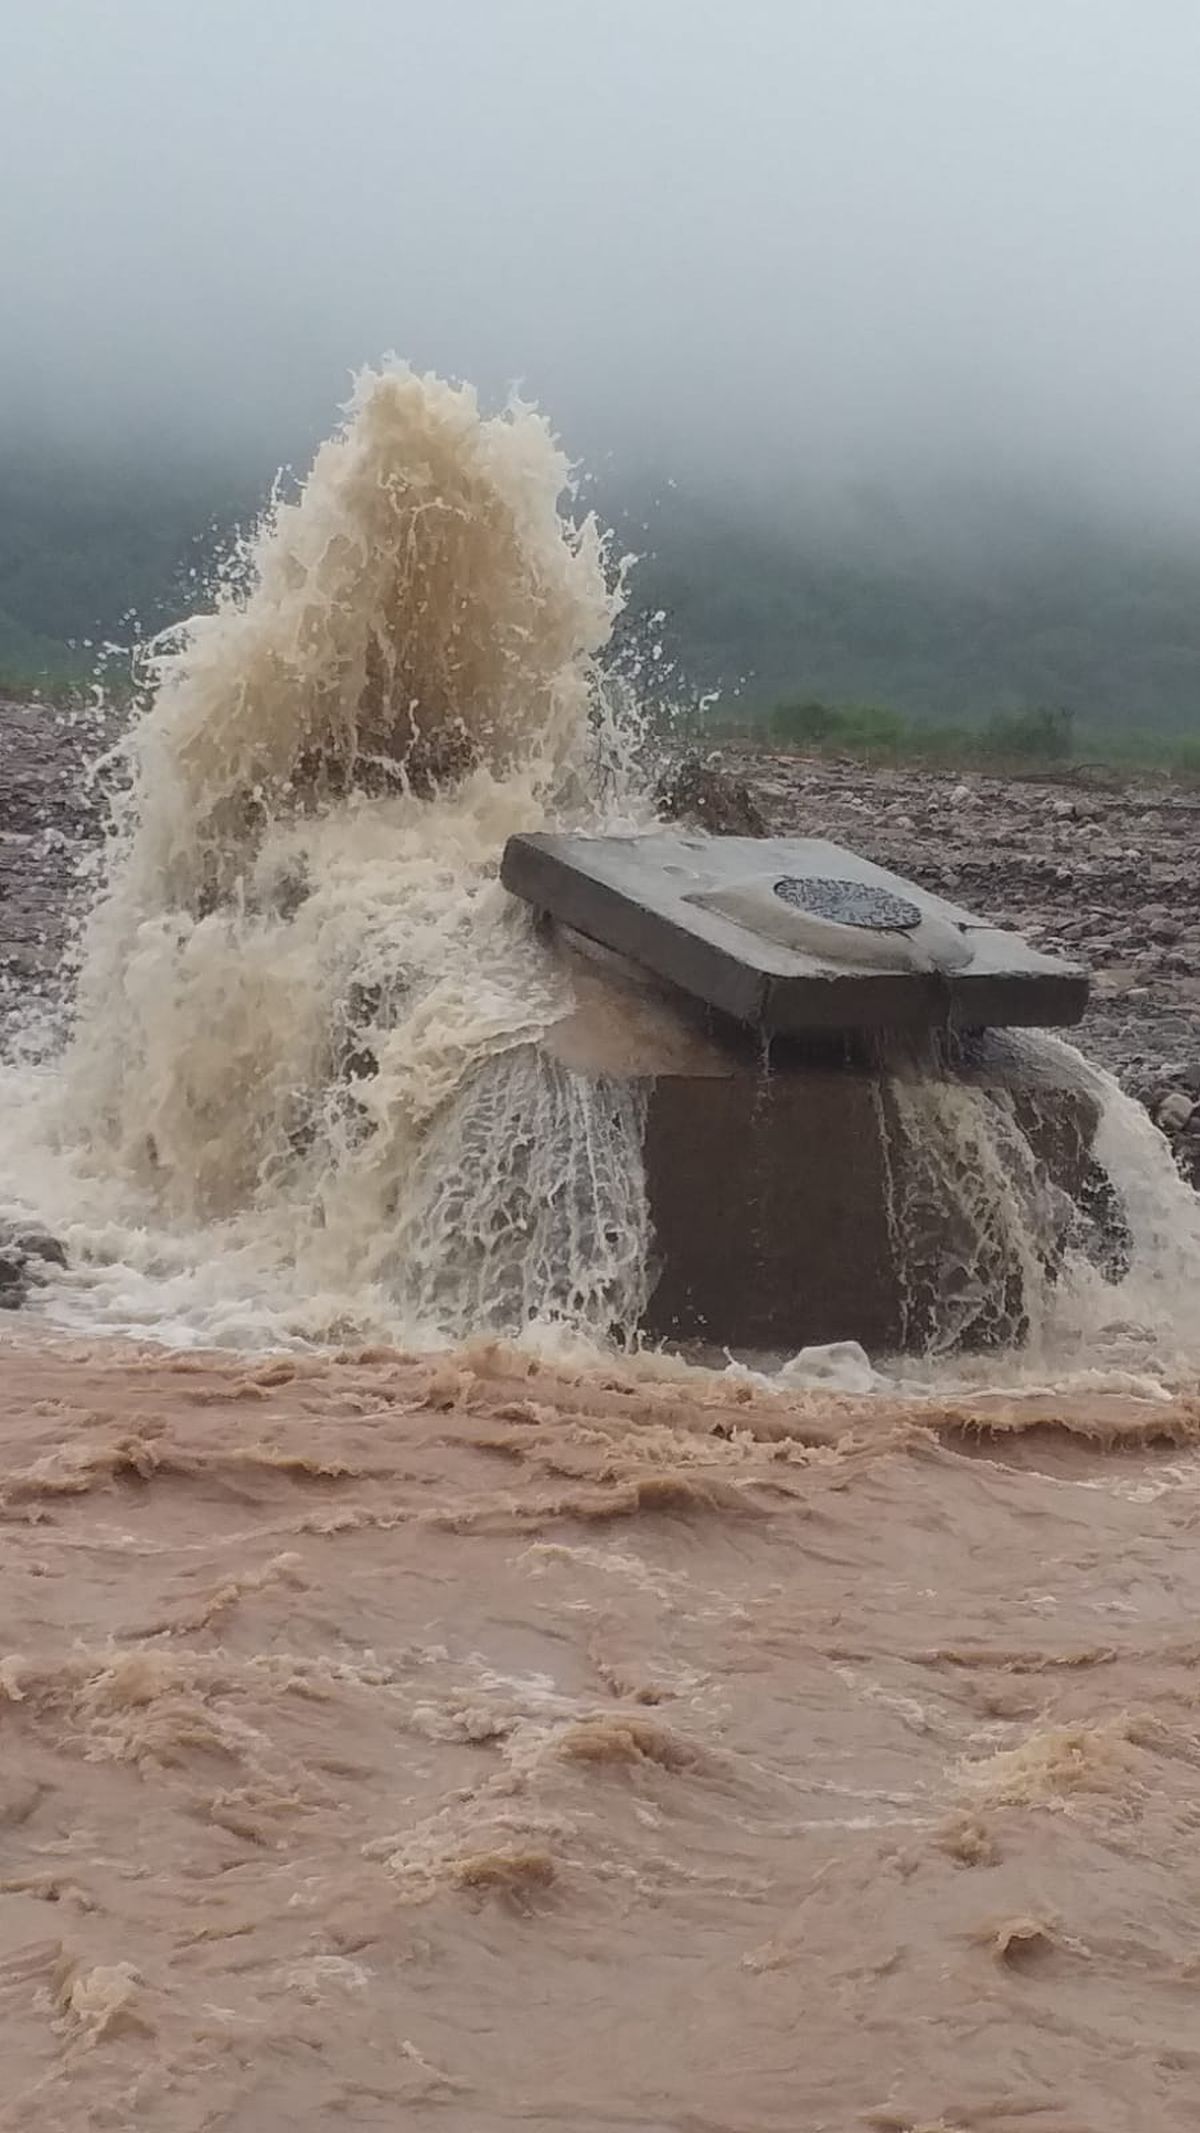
(477, 1742)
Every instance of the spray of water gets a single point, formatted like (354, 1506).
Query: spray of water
(308, 1015)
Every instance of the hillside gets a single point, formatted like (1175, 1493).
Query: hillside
(988, 610)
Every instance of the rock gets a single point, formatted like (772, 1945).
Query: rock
(1173, 1111)
(841, 1366)
(25, 1250)
(702, 791)
(14, 1288)
(28, 1240)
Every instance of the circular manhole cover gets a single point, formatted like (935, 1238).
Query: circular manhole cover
(849, 903)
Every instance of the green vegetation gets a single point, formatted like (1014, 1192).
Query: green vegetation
(1013, 743)
(866, 730)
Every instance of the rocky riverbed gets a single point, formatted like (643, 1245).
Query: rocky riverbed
(52, 817)
(1087, 864)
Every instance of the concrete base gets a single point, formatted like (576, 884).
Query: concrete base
(793, 1209)
(807, 1197)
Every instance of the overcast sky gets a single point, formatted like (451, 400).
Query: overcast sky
(858, 237)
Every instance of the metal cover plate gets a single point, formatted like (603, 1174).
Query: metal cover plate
(849, 903)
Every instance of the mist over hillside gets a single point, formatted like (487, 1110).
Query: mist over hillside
(943, 615)
(950, 608)
(876, 324)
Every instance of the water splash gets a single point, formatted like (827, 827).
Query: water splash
(308, 1014)
(1017, 1227)
(964, 1218)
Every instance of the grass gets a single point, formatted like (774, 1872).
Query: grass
(1016, 744)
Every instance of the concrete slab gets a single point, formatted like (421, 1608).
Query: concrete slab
(814, 1203)
(792, 935)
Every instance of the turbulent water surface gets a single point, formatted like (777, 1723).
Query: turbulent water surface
(482, 1743)
(420, 1704)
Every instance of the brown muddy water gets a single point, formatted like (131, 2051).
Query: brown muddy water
(477, 1742)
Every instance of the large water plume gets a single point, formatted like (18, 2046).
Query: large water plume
(307, 1010)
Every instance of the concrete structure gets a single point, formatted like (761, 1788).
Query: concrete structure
(839, 1185)
(812, 1202)
(792, 935)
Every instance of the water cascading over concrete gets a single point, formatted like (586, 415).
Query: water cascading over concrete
(839, 1140)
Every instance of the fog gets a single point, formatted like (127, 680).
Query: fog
(784, 243)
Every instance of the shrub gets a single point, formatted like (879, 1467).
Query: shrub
(1046, 736)
(806, 725)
